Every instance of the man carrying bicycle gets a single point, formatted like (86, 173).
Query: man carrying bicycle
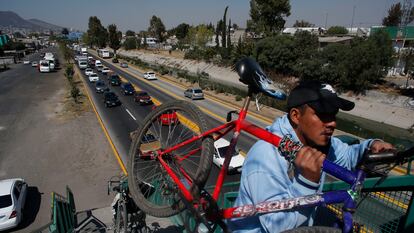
(267, 176)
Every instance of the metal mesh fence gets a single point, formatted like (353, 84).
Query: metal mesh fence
(376, 212)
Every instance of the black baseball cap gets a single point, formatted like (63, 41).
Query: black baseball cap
(319, 96)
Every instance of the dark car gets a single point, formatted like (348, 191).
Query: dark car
(110, 99)
(115, 60)
(91, 63)
(100, 87)
(142, 98)
(115, 80)
(127, 88)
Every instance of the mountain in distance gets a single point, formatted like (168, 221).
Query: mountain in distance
(44, 24)
(11, 19)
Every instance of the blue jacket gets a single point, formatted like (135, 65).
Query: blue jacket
(265, 178)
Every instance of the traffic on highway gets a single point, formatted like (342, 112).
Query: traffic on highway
(122, 117)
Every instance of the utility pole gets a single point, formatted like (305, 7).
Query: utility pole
(353, 15)
(326, 21)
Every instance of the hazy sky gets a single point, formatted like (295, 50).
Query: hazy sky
(135, 14)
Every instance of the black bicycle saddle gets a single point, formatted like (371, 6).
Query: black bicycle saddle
(253, 76)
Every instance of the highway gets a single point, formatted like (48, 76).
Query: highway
(121, 120)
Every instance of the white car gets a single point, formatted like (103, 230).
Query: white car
(106, 70)
(93, 78)
(150, 75)
(26, 62)
(34, 63)
(88, 71)
(13, 194)
(220, 148)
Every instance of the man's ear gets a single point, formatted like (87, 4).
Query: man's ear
(294, 115)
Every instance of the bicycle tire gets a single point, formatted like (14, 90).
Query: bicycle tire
(315, 229)
(152, 189)
(121, 222)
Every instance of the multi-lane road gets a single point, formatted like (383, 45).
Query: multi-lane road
(120, 121)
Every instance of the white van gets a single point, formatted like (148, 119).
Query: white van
(44, 66)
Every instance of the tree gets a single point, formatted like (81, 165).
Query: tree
(337, 30)
(129, 33)
(97, 33)
(394, 16)
(224, 29)
(65, 31)
(235, 26)
(200, 35)
(157, 28)
(114, 37)
(275, 53)
(267, 16)
(85, 39)
(130, 43)
(181, 31)
(302, 24)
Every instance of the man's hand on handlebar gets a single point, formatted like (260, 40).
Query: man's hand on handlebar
(309, 162)
(378, 146)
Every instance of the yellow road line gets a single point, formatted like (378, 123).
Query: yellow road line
(114, 150)
(390, 199)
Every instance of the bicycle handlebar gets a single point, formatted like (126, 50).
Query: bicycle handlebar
(399, 157)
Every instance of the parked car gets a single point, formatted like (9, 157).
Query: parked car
(35, 63)
(100, 87)
(150, 75)
(142, 98)
(194, 93)
(111, 99)
(88, 71)
(106, 70)
(114, 60)
(168, 117)
(127, 88)
(115, 80)
(13, 194)
(220, 148)
(93, 78)
(124, 65)
(26, 62)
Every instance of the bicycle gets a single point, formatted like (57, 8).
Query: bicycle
(168, 175)
(127, 216)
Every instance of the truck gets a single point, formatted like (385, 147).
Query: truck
(84, 51)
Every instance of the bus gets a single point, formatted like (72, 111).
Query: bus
(104, 53)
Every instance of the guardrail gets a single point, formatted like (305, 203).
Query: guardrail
(63, 218)
(385, 205)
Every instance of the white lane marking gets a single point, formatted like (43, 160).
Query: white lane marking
(130, 114)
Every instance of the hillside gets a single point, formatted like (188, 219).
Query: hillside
(11, 19)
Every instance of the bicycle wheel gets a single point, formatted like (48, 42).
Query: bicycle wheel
(316, 229)
(121, 222)
(170, 124)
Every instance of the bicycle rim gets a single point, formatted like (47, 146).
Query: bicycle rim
(170, 124)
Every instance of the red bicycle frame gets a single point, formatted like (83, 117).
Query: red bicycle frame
(238, 125)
